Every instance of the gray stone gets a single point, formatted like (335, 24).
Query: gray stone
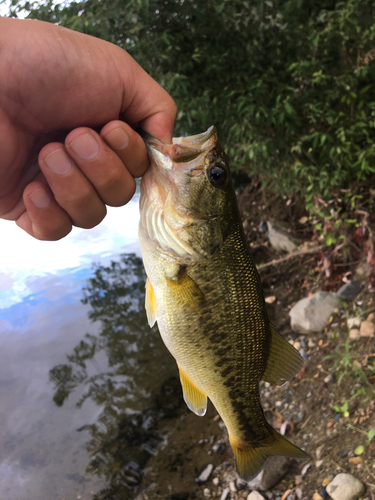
(312, 313)
(256, 483)
(279, 239)
(205, 474)
(349, 291)
(255, 495)
(274, 470)
(345, 487)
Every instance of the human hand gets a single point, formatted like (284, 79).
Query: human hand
(55, 169)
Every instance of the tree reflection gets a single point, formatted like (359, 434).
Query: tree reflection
(125, 433)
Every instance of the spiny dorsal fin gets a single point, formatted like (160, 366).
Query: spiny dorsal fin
(150, 304)
(194, 397)
(284, 361)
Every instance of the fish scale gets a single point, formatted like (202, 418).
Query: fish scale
(204, 291)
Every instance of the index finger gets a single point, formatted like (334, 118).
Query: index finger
(146, 103)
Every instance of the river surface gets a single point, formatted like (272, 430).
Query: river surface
(78, 362)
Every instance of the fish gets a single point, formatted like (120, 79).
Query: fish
(204, 292)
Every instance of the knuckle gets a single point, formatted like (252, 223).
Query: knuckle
(92, 219)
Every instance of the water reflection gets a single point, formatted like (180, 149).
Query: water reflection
(136, 365)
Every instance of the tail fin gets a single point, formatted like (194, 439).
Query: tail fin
(251, 460)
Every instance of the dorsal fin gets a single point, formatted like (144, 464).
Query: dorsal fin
(150, 304)
(284, 361)
(195, 399)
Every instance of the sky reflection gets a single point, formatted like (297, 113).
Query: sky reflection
(41, 319)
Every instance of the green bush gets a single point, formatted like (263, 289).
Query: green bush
(288, 83)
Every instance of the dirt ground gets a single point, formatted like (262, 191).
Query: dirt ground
(304, 407)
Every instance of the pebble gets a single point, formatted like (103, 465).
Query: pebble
(326, 481)
(371, 317)
(318, 463)
(354, 322)
(311, 344)
(300, 417)
(367, 329)
(205, 474)
(240, 484)
(316, 496)
(297, 345)
(224, 494)
(354, 333)
(345, 487)
(323, 493)
(254, 495)
(319, 450)
(206, 492)
(274, 470)
(232, 487)
(349, 291)
(299, 493)
(305, 469)
(215, 481)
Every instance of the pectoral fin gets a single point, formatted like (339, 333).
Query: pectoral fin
(195, 399)
(284, 361)
(150, 304)
(186, 293)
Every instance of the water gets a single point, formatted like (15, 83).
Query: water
(78, 380)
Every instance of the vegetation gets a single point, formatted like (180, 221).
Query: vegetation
(288, 83)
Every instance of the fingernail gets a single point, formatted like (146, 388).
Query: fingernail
(118, 139)
(85, 146)
(59, 162)
(40, 198)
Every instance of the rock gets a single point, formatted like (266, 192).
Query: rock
(255, 495)
(240, 484)
(305, 469)
(206, 493)
(312, 313)
(354, 322)
(232, 487)
(316, 496)
(342, 454)
(224, 494)
(354, 333)
(270, 300)
(319, 451)
(274, 470)
(215, 481)
(371, 317)
(367, 329)
(256, 483)
(345, 487)
(299, 493)
(279, 239)
(349, 291)
(205, 474)
(323, 493)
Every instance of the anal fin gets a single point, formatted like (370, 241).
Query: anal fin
(284, 361)
(195, 399)
(150, 304)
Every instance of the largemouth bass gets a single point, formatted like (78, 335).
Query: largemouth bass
(204, 291)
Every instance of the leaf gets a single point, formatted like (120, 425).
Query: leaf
(359, 450)
(370, 435)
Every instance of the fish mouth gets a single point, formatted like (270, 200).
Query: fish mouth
(182, 151)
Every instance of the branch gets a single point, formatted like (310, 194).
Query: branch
(283, 259)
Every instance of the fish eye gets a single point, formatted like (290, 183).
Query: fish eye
(217, 175)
